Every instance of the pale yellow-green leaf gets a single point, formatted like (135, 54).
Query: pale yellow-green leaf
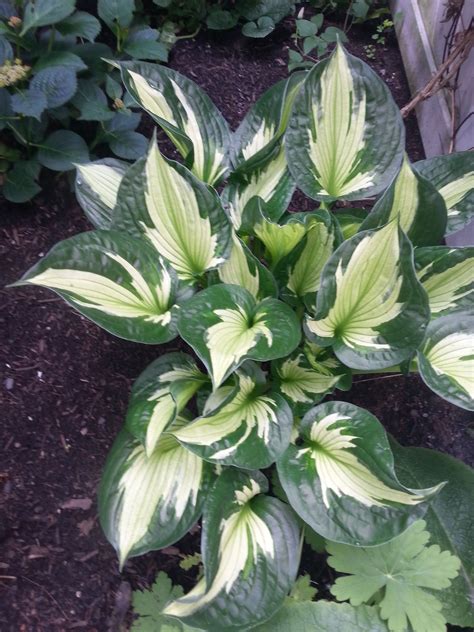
(453, 357)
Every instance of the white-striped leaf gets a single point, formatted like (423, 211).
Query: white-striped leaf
(447, 274)
(117, 281)
(264, 124)
(304, 378)
(453, 176)
(416, 204)
(225, 326)
(340, 478)
(345, 136)
(271, 182)
(243, 269)
(370, 305)
(147, 503)
(186, 114)
(159, 394)
(179, 215)
(349, 221)
(446, 358)
(299, 272)
(251, 429)
(250, 552)
(97, 185)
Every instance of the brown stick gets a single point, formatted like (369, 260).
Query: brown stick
(445, 72)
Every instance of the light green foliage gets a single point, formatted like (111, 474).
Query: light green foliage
(278, 310)
(395, 576)
(148, 606)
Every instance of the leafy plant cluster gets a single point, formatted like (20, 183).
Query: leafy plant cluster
(275, 311)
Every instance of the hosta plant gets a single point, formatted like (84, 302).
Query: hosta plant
(275, 311)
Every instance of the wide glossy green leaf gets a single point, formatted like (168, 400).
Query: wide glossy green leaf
(250, 551)
(29, 103)
(370, 305)
(446, 358)
(449, 520)
(116, 12)
(416, 204)
(453, 176)
(147, 503)
(80, 24)
(186, 114)
(345, 135)
(45, 12)
(160, 393)
(270, 181)
(225, 325)
(340, 478)
(57, 84)
(299, 272)
(97, 185)
(116, 281)
(249, 429)
(63, 150)
(244, 269)
(323, 616)
(180, 215)
(447, 274)
(264, 124)
(61, 58)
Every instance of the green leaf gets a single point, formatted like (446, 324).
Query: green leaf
(20, 185)
(345, 136)
(416, 204)
(340, 478)
(58, 84)
(323, 616)
(80, 24)
(396, 573)
(446, 358)
(159, 394)
(148, 503)
(261, 28)
(306, 28)
(370, 305)
(350, 220)
(279, 239)
(62, 150)
(143, 44)
(178, 214)
(225, 326)
(185, 112)
(97, 184)
(302, 589)
(116, 281)
(276, 9)
(91, 102)
(29, 103)
(453, 176)
(116, 12)
(113, 89)
(250, 552)
(6, 50)
(449, 520)
(148, 605)
(129, 145)
(57, 58)
(45, 12)
(447, 276)
(220, 20)
(242, 268)
(249, 430)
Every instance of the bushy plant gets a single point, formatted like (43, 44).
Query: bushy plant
(276, 310)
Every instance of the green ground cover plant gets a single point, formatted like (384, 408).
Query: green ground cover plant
(277, 310)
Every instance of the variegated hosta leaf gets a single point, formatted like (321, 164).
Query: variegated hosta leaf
(370, 305)
(250, 551)
(115, 280)
(446, 358)
(265, 123)
(243, 269)
(178, 214)
(416, 204)
(447, 274)
(159, 394)
(147, 503)
(250, 430)
(349, 221)
(340, 478)
(225, 326)
(299, 271)
(271, 182)
(185, 112)
(345, 136)
(303, 383)
(453, 176)
(97, 185)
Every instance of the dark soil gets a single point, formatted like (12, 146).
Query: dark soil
(65, 385)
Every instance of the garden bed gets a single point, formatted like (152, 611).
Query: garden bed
(66, 383)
